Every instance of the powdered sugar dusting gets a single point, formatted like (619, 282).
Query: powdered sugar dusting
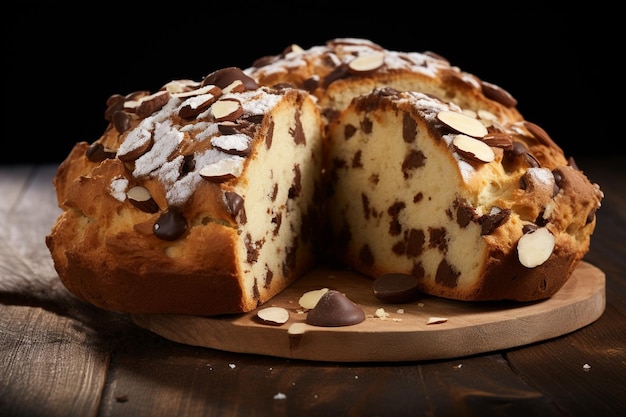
(542, 175)
(118, 188)
(169, 133)
(166, 140)
(237, 142)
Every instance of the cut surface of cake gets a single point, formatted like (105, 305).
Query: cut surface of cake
(422, 187)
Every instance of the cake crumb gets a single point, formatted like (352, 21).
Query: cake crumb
(381, 313)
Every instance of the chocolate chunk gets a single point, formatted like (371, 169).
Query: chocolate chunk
(395, 288)
(349, 131)
(298, 132)
(409, 128)
(340, 72)
(438, 238)
(296, 187)
(334, 309)
(235, 205)
(226, 76)
(446, 274)
(96, 152)
(311, 84)
(356, 160)
(366, 257)
(366, 125)
(464, 213)
(414, 159)
(490, 222)
(252, 248)
(497, 93)
(170, 225)
(121, 121)
(395, 228)
(415, 243)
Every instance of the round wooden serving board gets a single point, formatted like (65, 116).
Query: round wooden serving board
(403, 335)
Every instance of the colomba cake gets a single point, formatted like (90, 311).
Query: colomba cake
(210, 197)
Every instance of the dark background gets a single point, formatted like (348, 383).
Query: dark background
(60, 66)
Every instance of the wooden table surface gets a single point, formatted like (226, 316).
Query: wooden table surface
(61, 357)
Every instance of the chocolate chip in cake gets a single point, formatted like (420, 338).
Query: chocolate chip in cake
(496, 218)
(121, 121)
(97, 152)
(446, 274)
(235, 205)
(334, 309)
(497, 93)
(170, 225)
(225, 77)
(413, 160)
(396, 288)
(348, 131)
(409, 128)
(366, 257)
(298, 132)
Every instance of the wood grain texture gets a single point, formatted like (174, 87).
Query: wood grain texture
(470, 328)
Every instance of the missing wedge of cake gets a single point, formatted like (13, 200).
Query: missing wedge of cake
(210, 197)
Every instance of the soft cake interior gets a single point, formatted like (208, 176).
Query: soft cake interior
(397, 213)
(278, 233)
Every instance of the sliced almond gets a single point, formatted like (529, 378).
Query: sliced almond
(193, 106)
(436, 320)
(273, 315)
(207, 89)
(309, 299)
(473, 149)
(366, 64)
(226, 109)
(223, 170)
(179, 86)
(132, 149)
(462, 123)
(499, 140)
(140, 197)
(535, 247)
(150, 104)
(235, 87)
